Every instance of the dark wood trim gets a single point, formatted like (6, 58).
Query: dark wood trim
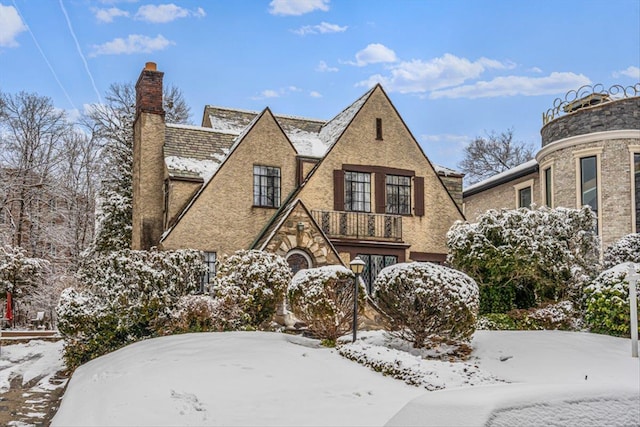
(354, 250)
(418, 190)
(427, 257)
(195, 179)
(378, 169)
(380, 192)
(338, 190)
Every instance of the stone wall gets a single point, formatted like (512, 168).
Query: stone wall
(613, 115)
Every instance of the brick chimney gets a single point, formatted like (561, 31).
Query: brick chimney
(149, 90)
(148, 160)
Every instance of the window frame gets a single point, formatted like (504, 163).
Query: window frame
(350, 189)
(266, 186)
(209, 258)
(528, 184)
(396, 187)
(578, 156)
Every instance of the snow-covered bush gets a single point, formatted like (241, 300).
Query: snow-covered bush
(607, 301)
(20, 274)
(255, 282)
(627, 249)
(199, 313)
(125, 296)
(526, 256)
(425, 300)
(323, 298)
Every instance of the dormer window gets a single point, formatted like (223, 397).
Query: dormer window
(379, 129)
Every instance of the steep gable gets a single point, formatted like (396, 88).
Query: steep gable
(222, 217)
(370, 136)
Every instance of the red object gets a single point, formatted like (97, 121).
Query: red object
(9, 313)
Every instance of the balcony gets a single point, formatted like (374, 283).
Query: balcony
(360, 225)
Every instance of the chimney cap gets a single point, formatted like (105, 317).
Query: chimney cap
(150, 66)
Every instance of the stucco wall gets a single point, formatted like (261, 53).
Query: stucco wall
(223, 219)
(397, 149)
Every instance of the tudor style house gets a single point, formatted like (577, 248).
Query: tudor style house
(316, 192)
(590, 155)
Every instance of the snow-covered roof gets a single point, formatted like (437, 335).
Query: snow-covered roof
(302, 132)
(508, 175)
(443, 170)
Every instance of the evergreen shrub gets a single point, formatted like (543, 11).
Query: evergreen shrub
(323, 298)
(607, 302)
(428, 301)
(253, 281)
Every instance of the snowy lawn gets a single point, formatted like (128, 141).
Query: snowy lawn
(257, 378)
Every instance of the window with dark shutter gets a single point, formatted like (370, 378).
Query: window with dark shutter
(338, 190)
(419, 195)
(380, 186)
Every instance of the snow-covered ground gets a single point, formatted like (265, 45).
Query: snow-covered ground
(32, 360)
(258, 378)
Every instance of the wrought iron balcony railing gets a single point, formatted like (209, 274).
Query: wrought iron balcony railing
(359, 225)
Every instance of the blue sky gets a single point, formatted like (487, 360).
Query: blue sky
(454, 69)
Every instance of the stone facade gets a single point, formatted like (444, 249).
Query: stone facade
(609, 132)
(194, 186)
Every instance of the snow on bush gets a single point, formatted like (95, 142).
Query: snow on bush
(561, 315)
(202, 313)
(254, 281)
(607, 301)
(20, 274)
(627, 249)
(522, 257)
(413, 369)
(126, 296)
(323, 298)
(425, 300)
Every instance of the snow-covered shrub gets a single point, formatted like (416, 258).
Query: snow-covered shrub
(526, 256)
(627, 249)
(196, 313)
(607, 301)
(20, 274)
(254, 281)
(126, 296)
(323, 298)
(425, 300)
(561, 315)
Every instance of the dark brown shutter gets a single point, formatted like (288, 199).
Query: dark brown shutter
(418, 191)
(338, 190)
(381, 184)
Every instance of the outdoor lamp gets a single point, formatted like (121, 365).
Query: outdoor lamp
(357, 266)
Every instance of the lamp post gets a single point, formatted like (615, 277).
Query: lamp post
(356, 265)
(632, 278)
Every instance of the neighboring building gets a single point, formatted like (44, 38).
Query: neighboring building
(316, 192)
(590, 155)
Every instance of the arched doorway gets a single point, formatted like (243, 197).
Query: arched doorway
(298, 260)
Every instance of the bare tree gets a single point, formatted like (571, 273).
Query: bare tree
(31, 133)
(113, 125)
(492, 154)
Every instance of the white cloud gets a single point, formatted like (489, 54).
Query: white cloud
(373, 54)
(315, 94)
(322, 28)
(134, 43)
(10, 26)
(633, 72)
(107, 15)
(556, 82)
(324, 68)
(417, 76)
(269, 93)
(163, 13)
(297, 7)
